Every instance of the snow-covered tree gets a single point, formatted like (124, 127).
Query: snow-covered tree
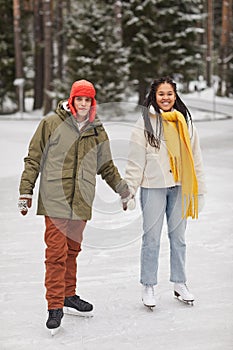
(177, 30)
(139, 36)
(95, 52)
(161, 36)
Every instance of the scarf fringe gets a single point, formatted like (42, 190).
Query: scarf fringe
(190, 206)
(181, 160)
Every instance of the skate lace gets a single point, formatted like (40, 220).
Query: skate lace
(54, 314)
(184, 292)
(150, 291)
(82, 304)
(184, 288)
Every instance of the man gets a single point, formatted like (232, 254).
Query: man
(68, 149)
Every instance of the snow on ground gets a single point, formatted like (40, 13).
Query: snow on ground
(109, 263)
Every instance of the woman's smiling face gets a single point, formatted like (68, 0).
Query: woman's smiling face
(165, 97)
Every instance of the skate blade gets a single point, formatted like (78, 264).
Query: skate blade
(150, 307)
(72, 311)
(178, 297)
(54, 331)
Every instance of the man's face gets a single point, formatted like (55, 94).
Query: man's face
(82, 104)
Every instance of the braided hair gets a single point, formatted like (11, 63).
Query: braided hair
(154, 139)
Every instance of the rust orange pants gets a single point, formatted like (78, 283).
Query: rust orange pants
(63, 239)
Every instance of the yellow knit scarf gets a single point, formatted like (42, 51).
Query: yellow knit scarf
(181, 160)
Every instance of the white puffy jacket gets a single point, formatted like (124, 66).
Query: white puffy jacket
(149, 167)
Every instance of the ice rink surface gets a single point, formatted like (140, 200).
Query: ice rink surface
(108, 266)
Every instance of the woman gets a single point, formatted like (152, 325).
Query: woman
(165, 161)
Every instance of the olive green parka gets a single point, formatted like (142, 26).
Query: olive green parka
(68, 161)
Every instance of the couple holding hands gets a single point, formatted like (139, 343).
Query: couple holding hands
(70, 147)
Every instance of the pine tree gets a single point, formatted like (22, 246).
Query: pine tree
(162, 37)
(177, 31)
(95, 52)
(139, 36)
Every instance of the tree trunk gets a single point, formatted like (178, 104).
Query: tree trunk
(143, 85)
(118, 20)
(18, 47)
(48, 55)
(38, 55)
(60, 41)
(224, 51)
(225, 42)
(68, 6)
(229, 58)
(209, 39)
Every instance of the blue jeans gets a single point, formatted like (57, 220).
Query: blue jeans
(155, 203)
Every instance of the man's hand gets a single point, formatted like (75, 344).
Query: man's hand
(126, 199)
(24, 202)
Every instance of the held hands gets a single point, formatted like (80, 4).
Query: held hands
(127, 200)
(24, 202)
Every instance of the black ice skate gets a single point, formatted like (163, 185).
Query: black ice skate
(76, 306)
(54, 321)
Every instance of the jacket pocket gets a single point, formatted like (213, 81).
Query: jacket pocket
(59, 185)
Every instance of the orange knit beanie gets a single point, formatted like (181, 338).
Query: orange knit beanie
(83, 88)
